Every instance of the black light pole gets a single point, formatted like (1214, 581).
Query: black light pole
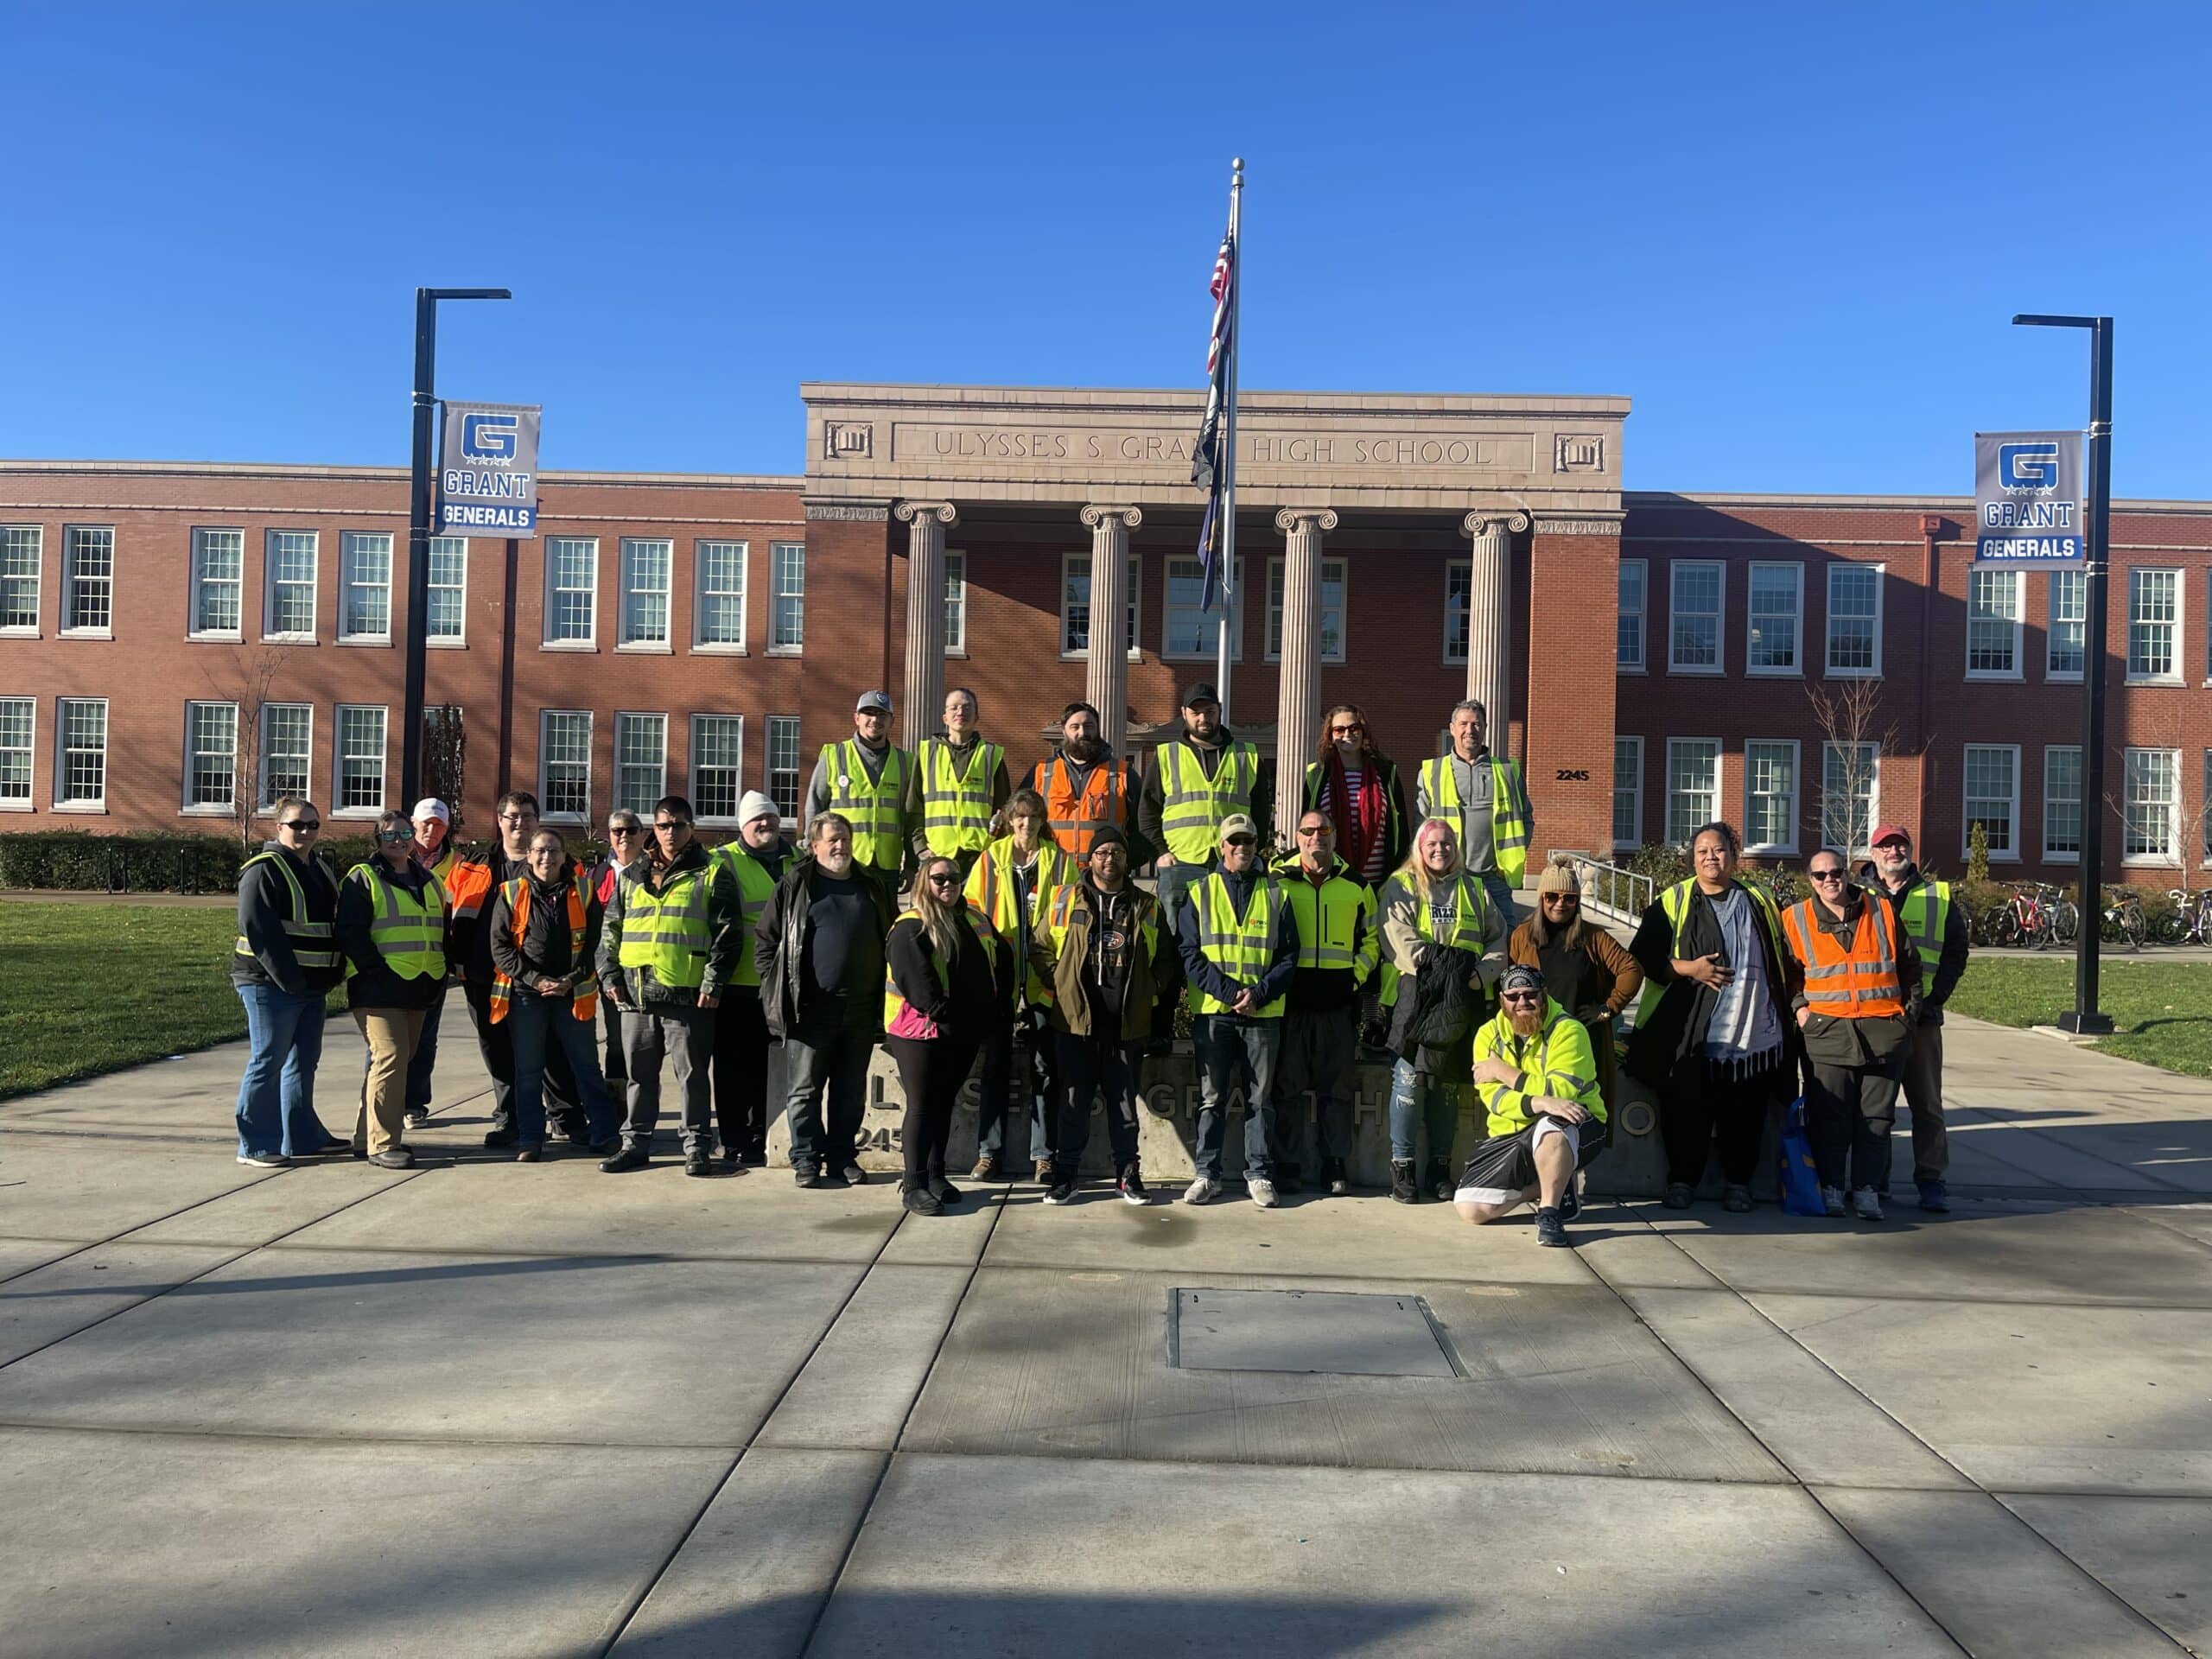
(2084, 1017)
(419, 529)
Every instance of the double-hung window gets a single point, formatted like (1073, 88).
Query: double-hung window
(641, 761)
(1992, 797)
(211, 755)
(289, 604)
(1697, 595)
(359, 772)
(1993, 624)
(1075, 604)
(217, 582)
(447, 619)
(286, 741)
(718, 607)
(1188, 631)
(1627, 791)
(565, 764)
(88, 580)
(1770, 796)
(787, 598)
(1774, 622)
(20, 549)
(2064, 652)
(18, 723)
(1854, 621)
(80, 753)
(1850, 778)
(1628, 644)
(646, 562)
(783, 763)
(571, 592)
(2153, 806)
(717, 766)
(2154, 627)
(2062, 803)
(364, 588)
(1330, 620)
(1693, 786)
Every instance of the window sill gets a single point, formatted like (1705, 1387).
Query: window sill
(561, 818)
(2153, 679)
(1637, 669)
(1789, 851)
(644, 648)
(90, 808)
(2000, 677)
(2049, 857)
(1235, 658)
(952, 655)
(1995, 858)
(203, 812)
(216, 637)
(1679, 673)
(372, 813)
(721, 650)
(288, 639)
(585, 646)
(1774, 673)
(372, 641)
(18, 806)
(1083, 656)
(1851, 674)
(86, 633)
(21, 633)
(446, 644)
(787, 651)
(2062, 679)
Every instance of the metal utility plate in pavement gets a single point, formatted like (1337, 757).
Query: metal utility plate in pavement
(1347, 1333)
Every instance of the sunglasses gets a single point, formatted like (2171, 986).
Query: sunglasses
(616, 830)
(1519, 996)
(1313, 829)
(947, 880)
(1244, 840)
(303, 825)
(1562, 898)
(1826, 875)
(1346, 731)
(671, 824)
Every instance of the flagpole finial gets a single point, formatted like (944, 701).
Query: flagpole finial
(1238, 162)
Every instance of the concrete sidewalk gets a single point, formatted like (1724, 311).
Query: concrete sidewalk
(493, 1408)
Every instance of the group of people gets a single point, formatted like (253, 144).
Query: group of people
(970, 923)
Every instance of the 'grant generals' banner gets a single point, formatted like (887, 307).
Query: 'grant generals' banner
(487, 469)
(2027, 498)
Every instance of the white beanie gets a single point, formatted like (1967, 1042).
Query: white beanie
(756, 805)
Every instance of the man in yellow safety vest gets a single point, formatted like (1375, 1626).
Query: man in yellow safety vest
(1484, 798)
(963, 780)
(872, 784)
(1937, 927)
(1338, 945)
(1202, 777)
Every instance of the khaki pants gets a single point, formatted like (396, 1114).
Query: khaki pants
(392, 1035)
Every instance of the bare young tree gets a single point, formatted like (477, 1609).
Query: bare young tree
(1854, 738)
(2190, 809)
(445, 756)
(254, 675)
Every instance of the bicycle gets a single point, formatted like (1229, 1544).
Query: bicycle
(2037, 915)
(2178, 922)
(2122, 917)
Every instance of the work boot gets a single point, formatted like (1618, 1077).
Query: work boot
(944, 1190)
(1402, 1181)
(921, 1201)
(630, 1157)
(1934, 1197)
(987, 1168)
(696, 1162)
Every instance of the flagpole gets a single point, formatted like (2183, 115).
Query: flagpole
(1229, 440)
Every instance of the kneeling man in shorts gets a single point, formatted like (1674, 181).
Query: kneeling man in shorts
(1536, 1079)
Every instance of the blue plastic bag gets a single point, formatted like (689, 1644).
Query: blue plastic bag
(1801, 1177)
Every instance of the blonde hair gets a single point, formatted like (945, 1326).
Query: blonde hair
(939, 917)
(1415, 874)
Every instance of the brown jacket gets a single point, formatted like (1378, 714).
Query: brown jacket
(1612, 976)
(1060, 941)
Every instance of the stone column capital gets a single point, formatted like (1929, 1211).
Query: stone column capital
(909, 512)
(1323, 518)
(1488, 521)
(1098, 514)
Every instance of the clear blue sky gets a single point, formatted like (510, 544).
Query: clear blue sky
(1793, 234)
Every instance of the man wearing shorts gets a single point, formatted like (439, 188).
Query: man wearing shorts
(1537, 1080)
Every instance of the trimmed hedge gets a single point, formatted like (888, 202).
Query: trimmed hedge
(81, 861)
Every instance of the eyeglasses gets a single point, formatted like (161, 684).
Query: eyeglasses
(1826, 875)
(615, 830)
(305, 826)
(1346, 731)
(1313, 829)
(516, 817)
(1243, 841)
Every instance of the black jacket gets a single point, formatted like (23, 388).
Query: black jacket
(264, 901)
(1439, 1006)
(1154, 802)
(1951, 966)
(641, 986)
(545, 949)
(373, 985)
(967, 996)
(782, 935)
(1669, 1047)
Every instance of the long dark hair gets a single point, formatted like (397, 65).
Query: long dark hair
(1325, 743)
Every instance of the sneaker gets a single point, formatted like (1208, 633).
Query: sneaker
(417, 1119)
(802, 1176)
(528, 1155)
(1934, 1197)
(1133, 1190)
(1062, 1189)
(1440, 1183)
(505, 1137)
(1736, 1200)
(397, 1158)
(1866, 1204)
(1201, 1191)
(1551, 1230)
(1570, 1203)
(854, 1175)
(920, 1201)
(628, 1159)
(987, 1168)
(1333, 1176)
(944, 1190)
(697, 1163)
(1261, 1191)
(268, 1159)
(1831, 1202)
(1339, 1187)
(1678, 1195)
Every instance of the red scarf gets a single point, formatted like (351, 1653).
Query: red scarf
(1359, 823)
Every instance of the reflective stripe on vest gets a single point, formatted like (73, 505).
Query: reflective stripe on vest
(1192, 805)
(893, 1003)
(1061, 915)
(990, 896)
(1077, 815)
(1926, 913)
(1328, 918)
(1509, 827)
(410, 936)
(667, 932)
(957, 811)
(312, 945)
(1860, 982)
(1470, 923)
(584, 1002)
(755, 887)
(873, 804)
(1675, 904)
(1244, 948)
(472, 886)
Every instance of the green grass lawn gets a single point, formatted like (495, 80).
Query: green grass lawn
(2163, 1010)
(93, 988)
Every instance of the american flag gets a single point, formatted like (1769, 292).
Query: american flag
(1207, 471)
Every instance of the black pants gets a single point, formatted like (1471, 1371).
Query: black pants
(1091, 1068)
(741, 1074)
(1018, 1089)
(1849, 1112)
(827, 1069)
(1696, 1107)
(930, 1073)
(617, 1071)
(563, 1112)
(425, 1060)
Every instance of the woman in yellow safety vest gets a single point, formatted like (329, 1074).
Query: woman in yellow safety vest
(392, 929)
(1011, 887)
(940, 993)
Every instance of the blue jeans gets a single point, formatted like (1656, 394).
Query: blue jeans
(1230, 1052)
(535, 1023)
(277, 1095)
(1429, 1102)
(1500, 893)
(1173, 882)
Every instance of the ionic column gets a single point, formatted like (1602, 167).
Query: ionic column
(1106, 675)
(1297, 685)
(1490, 612)
(922, 692)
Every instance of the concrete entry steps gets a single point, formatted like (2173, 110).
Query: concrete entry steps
(531, 1410)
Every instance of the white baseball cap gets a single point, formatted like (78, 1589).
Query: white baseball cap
(430, 807)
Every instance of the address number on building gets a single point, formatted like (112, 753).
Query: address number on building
(1578, 775)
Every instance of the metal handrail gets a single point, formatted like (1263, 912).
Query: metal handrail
(1623, 895)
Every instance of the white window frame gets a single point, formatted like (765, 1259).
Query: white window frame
(2011, 855)
(63, 801)
(701, 592)
(784, 559)
(2178, 629)
(264, 799)
(2019, 602)
(1167, 608)
(1278, 573)
(623, 717)
(2204, 817)
(71, 581)
(1712, 811)
(1675, 570)
(2169, 858)
(2054, 854)
(780, 726)
(1458, 608)
(590, 639)
(457, 640)
(1132, 609)
(351, 545)
(36, 542)
(1795, 668)
(28, 801)
(269, 633)
(187, 806)
(1636, 790)
(195, 596)
(1641, 612)
(1776, 848)
(738, 766)
(631, 592)
(2052, 673)
(956, 602)
(1874, 796)
(1853, 567)
(338, 761)
(545, 717)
